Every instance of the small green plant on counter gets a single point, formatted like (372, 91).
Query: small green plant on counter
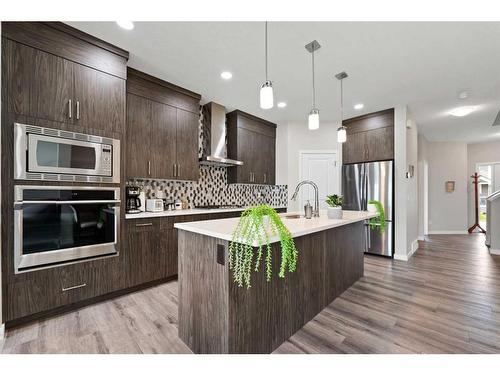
(251, 229)
(334, 200)
(379, 221)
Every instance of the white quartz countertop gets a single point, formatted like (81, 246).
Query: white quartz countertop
(223, 228)
(192, 211)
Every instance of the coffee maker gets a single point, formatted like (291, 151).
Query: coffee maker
(133, 200)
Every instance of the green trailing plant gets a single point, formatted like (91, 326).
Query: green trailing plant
(251, 231)
(379, 221)
(334, 200)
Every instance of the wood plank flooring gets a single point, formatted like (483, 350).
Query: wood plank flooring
(446, 299)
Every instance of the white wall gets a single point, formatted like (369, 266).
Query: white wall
(299, 137)
(447, 211)
(423, 184)
(479, 153)
(412, 198)
(282, 154)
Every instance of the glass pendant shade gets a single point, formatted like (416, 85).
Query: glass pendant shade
(266, 95)
(341, 134)
(313, 122)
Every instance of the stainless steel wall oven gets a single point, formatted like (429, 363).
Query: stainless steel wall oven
(59, 224)
(60, 155)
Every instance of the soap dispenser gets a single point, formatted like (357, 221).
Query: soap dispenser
(308, 210)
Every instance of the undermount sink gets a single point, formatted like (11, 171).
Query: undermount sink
(295, 216)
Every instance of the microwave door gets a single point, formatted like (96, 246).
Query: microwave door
(63, 156)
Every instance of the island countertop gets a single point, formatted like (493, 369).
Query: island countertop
(223, 228)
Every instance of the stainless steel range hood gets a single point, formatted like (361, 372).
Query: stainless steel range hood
(213, 137)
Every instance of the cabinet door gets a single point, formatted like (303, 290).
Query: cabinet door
(143, 255)
(380, 144)
(187, 146)
(52, 88)
(100, 98)
(246, 143)
(138, 139)
(163, 140)
(267, 159)
(354, 149)
(17, 75)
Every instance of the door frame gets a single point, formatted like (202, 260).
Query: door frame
(478, 164)
(337, 164)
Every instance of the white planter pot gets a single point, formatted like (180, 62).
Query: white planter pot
(334, 212)
(372, 208)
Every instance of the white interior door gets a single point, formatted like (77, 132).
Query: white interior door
(321, 167)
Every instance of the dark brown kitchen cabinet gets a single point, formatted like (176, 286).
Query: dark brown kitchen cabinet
(170, 131)
(99, 99)
(144, 256)
(253, 141)
(137, 145)
(163, 133)
(54, 87)
(187, 145)
(369, 138)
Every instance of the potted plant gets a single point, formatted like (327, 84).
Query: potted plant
(251, 238)
(379, 221)
(334, 210)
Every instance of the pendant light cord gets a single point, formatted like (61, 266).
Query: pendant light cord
(266, 51)
(314, 88)
(341, 102)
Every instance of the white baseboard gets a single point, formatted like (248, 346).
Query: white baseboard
(494, 251)
(2, 331)
(406, 257)
(448, 232)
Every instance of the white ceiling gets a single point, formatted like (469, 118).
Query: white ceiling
(423, 65)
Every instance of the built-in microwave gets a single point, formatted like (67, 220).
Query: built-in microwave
(60, 155)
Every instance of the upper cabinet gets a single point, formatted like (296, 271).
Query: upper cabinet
(162, 129)
(253, 141)
(56, 73)
(369, 138)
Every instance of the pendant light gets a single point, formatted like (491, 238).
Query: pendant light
(313, 120)
(342, 130)
(266, 90)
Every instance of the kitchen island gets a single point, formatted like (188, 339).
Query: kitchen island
(217, 316)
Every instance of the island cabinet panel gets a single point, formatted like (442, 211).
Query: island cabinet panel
(169, 126)
(262, 317)
(369, 138)
(251, 140)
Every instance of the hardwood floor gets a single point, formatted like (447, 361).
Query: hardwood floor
(446, 299)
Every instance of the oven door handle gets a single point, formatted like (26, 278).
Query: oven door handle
(69, 202)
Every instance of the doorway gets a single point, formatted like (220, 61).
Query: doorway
(321, 167)
(488, 183)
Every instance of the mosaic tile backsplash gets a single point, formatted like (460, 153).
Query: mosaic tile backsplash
(212, 189)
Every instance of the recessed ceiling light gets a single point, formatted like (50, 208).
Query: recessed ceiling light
(462, 111)
(359, 106)
(281, 104)
(463, 95)
(226, 75)
(127, 25)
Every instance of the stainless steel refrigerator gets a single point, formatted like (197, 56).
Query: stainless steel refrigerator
(366, 181)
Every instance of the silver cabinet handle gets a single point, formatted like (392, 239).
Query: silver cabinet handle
(149, 168)
(175, 169)
(74, 287)
(144, 225)
(178, 170)
(78, 110)
(70, 108)
(265, 178)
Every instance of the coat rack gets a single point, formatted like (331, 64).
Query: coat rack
(475, 181)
